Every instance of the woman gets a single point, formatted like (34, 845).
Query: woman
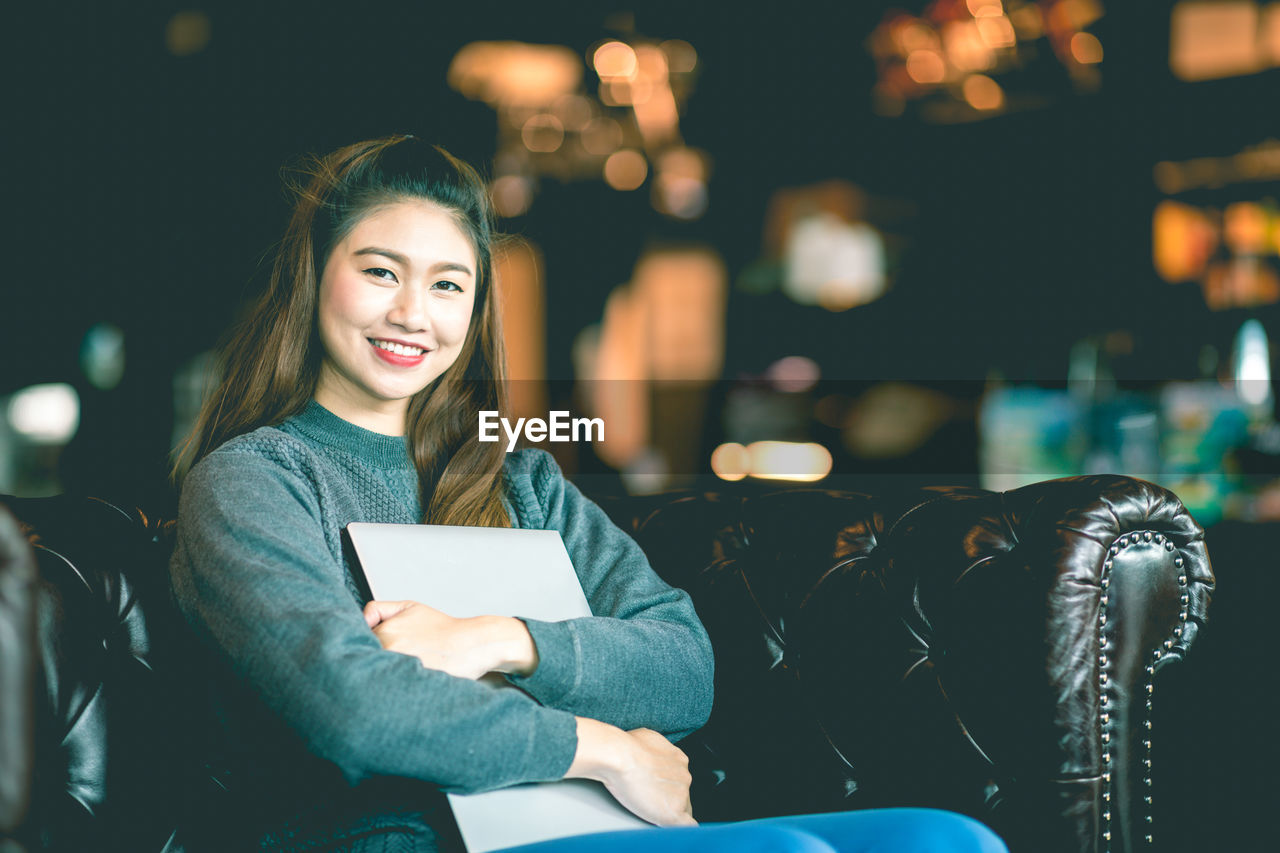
(351, 393)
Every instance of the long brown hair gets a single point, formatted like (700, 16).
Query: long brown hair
(265, 377)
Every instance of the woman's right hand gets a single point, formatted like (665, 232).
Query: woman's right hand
(641, 768)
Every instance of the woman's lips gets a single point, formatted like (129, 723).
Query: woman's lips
(398, 359)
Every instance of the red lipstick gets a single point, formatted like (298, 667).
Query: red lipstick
(396, 359)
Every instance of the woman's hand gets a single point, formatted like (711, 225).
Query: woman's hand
(641, 768)
(467, 648)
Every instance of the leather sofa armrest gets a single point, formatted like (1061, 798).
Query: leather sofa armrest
(1006, 645)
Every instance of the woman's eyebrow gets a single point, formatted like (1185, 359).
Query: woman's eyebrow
(386, 253)
(443, 266)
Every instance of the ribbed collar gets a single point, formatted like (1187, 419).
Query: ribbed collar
(373, 448)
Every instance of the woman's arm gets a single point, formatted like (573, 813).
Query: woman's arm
(643, 660)
(253, 574)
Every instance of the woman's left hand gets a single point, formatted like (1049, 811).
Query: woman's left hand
(467, 648)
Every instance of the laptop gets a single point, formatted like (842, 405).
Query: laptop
(472, 571)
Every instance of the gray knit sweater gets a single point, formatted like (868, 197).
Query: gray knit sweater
(259, 571)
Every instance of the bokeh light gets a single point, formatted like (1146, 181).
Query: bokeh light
(614, 59)
(626, 169)
(681, 186)
(793, 373)
(681, 57)
(1086, 49)
(542, 133)
(45, 414)
(983, 93)
(996, 32)
(981, 8)
(730, 462)
(602, 136)
(926, 67)
(574, 111)
(512, 195)
(804, 462)
(965, 47)
(1252, 366)
(102, 355)
(1244, 228)
(514, 74)
(187, 33)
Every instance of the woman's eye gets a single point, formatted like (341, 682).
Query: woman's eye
(382, 273)
(447, 285)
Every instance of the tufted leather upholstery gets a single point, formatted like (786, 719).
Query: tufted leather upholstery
(989, 653)
(944, 647)
(112, 730)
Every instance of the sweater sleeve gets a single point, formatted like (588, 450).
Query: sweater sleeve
(253, 575)
(643, 659)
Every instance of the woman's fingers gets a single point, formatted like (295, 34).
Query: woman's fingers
(467, 648)
(377, 611)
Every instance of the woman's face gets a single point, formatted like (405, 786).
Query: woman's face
(395, 302)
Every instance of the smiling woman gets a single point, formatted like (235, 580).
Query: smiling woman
(350, 393)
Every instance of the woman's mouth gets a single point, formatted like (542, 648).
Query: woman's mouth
(398, 354)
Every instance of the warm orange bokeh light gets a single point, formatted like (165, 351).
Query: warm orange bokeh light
(730, 462)
(512, 195)
(602, 136)
(542, 133)
(574, 111)
(514, 74)
(1244, 228)
(983, 93)
(651, 62)
(1212, 40)
(681, 57)
(1028, 21)
(517, 267)
(981, 8)
(617, 389)
(1086, 49)
(683, 293)
(912, 34)
(1182, 241)
(614, 59)
(965, 48)
(926, 67)
(626, 169)
(996, 31)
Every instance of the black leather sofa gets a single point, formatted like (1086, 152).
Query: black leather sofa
(990, 653)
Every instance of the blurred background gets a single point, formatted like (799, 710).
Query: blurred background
(979, 242)
(973, 242)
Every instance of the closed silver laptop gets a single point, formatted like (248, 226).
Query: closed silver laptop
(473, 571)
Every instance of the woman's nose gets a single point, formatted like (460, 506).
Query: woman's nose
(409, 310)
